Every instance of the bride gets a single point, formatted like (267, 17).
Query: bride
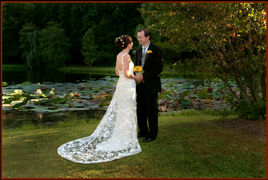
(116, 135)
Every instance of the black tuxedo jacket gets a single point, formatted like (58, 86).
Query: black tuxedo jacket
(152, 68)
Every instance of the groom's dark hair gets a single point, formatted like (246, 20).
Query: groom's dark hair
(147, 32)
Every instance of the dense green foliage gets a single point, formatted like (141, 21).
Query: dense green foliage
(230, 39)
(107, 20)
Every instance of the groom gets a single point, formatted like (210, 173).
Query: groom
(149, 57)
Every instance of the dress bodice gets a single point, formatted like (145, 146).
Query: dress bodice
(131, 67)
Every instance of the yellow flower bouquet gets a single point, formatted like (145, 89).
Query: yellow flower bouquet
(138, 70)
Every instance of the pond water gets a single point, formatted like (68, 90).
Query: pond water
(17, 119)
(89, 86)
(16, 77)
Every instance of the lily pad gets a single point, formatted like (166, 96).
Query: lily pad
(92, 107)
(78, 105)
(216, 94)
(43, 101)
(16, 102)
(186, 93)
(25, 110)
(43, 109)
(39, 109)
(6, 97)
(73, 109)
(202, 93)
(6, 109)
(186, 102)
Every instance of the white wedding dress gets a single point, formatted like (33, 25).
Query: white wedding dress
(116, 135)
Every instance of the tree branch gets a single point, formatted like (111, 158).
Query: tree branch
(230, 88)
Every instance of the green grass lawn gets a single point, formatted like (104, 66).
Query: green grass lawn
(188, 145)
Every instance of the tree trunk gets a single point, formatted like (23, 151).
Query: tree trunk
(262, 70)
(243, 90)
(263, 77)
(253, 86)
(263, 86)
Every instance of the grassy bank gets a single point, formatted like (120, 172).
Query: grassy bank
(189, 145)
(108, 71)
(111, 71)
(14, 67)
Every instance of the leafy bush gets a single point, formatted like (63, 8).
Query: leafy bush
(255, 112)
(4, 84)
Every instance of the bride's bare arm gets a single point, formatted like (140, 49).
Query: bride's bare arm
(116, 70)
(126, 68)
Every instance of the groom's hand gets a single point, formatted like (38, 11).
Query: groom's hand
(136, 78)
(140, 78)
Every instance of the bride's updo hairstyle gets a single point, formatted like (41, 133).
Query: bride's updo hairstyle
(123, 41)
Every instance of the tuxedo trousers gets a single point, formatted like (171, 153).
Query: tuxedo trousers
(147, 108)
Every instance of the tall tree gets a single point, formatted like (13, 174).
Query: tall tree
(28, 43)
(15, 15)
(50, 12)
(117, 19)
(54, 45)
(12, 23)
(82, 16)
(89, 47)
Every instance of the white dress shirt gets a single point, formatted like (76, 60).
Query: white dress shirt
(144, 52)
(146, 47)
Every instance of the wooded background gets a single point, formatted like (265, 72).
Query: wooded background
(66, 24)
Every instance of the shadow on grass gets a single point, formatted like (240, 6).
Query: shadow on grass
(186, 147)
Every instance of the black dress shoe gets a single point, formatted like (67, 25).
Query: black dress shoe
(141, 135)
(148, 139)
